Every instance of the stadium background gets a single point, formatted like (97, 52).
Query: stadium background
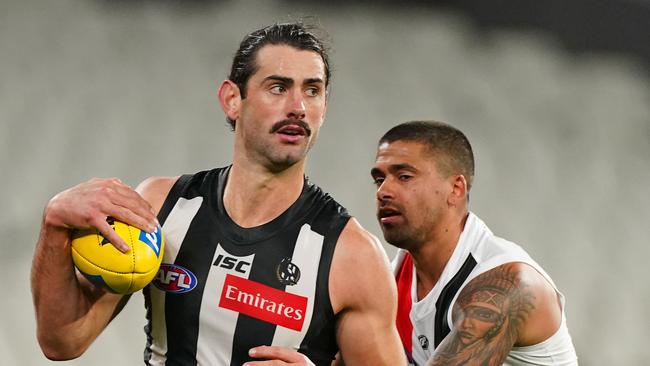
(558, 112)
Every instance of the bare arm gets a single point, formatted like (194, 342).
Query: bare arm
(70, 311)
(506, 306)
(364, 297)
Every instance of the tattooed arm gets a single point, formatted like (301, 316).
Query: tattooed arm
(511, 305)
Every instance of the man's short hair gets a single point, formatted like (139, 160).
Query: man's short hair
(450, 147)
(297, 35)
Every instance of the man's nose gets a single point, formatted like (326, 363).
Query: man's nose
(296, 106)
(384, 191)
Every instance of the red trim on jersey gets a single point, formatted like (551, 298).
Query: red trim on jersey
(404, 280)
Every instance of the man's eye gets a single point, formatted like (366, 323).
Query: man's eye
(277, 89)
(404, 177)
(313, 92)
(377, 181)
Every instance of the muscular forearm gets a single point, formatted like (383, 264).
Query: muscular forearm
(60, 302)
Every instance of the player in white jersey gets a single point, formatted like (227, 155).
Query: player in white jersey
(275, 100)
(465, 296)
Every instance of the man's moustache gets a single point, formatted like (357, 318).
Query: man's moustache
(278, 125)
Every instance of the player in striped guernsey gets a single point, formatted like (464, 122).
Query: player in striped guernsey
(260, 264)
(465, 296)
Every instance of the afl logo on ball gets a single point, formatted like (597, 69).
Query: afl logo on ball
(288, 273)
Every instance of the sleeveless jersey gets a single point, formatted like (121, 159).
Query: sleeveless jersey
(423, 324)
(223, 289)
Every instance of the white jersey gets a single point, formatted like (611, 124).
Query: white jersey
(424, 324)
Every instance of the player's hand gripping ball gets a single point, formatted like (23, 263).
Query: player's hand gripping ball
(123, 273)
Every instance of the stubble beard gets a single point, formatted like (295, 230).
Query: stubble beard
(400, 236)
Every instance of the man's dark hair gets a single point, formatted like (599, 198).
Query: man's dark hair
(452, 150)
(297, 35)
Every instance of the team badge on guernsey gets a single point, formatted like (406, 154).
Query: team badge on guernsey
(424, 341)
(175, 279)
(288, 273)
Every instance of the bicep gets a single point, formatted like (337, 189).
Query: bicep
(487, 318)
(365, 299)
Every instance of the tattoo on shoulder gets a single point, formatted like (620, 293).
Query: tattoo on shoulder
(487, 317)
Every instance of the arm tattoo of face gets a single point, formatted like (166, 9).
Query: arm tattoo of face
(487, 317)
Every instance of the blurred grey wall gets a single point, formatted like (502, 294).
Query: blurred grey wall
(562, 141)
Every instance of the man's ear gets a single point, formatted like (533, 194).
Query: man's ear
(458, 194)
(229, 97)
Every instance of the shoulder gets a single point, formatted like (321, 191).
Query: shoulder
(507, 306)
(357, 245)
(515, 293)
(360, 269)
(155, 190)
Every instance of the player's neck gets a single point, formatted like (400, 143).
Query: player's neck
(431, 258)
(254, 196)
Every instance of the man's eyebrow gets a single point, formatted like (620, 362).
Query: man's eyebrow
(289, 81)
(283, 79)
(313, 81)
(393, 168)
(402, 166)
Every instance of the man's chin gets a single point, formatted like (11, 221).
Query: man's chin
(393, 237)
(281, 163)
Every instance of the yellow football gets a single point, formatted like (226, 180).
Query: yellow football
(124, 273)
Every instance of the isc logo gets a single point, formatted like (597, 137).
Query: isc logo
(232, 263)
(174, 278)
(227, 262)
